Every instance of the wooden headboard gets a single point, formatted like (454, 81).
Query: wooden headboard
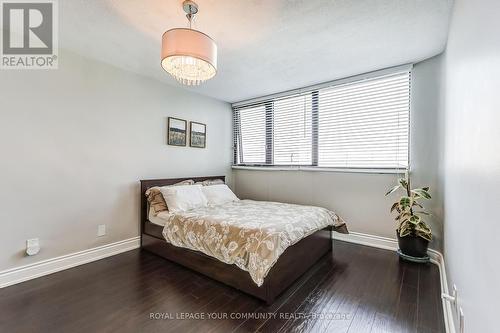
(148, 183)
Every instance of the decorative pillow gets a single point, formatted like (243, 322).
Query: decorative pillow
(155, 198)
(211, 182)
(156, 201)
(184, 182)
(183, 198)
(219, 194)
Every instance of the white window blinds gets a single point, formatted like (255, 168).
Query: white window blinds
(292, 131)
(252, 129)
(362, 124)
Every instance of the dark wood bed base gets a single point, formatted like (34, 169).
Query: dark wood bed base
(294, 262)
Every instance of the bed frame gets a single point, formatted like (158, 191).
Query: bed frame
(294, 262)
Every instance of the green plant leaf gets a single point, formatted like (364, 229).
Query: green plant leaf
(415, 203)
(394, 206)
(421, 193)
(404, 232)
(405, 221)
(405, 202)
(415, 219)
(423, 230)
(423, 226)
(424, 235)
(393, 189)
(404, 215)
(403, 183)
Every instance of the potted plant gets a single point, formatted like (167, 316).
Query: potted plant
(413, 233)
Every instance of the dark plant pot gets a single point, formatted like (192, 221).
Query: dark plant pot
(413, 246)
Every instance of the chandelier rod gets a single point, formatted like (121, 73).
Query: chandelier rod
(190, 8)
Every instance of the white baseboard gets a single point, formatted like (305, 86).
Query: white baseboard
(438, 259)
(392, 244)
(49, 266)
(368, 240)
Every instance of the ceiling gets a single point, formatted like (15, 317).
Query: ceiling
(265, 46)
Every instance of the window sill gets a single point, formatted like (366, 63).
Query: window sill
(318, 169)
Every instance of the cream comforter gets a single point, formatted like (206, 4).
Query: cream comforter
(249, 234)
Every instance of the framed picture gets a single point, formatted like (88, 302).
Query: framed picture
(198, 134)
(176, 132)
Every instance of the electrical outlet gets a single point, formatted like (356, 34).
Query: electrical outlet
(101, 230)
(32, 246)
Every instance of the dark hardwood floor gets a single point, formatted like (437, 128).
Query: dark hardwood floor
(355, 289)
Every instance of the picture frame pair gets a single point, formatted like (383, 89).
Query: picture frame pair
(177, 133)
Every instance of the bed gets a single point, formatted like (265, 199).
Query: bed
(290, 264)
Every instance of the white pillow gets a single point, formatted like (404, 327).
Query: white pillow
(219, 194)
(184, 197)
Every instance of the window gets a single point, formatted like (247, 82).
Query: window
(360, 124)
(292, 131)
(253, 135)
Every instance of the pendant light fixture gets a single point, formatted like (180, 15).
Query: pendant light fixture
(190, 56)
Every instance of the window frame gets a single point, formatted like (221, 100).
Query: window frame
(268, 102)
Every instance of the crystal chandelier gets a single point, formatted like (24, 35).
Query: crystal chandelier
(190, 56)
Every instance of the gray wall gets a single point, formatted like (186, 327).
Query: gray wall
(75, 141)
(359, 198)
(471, 167)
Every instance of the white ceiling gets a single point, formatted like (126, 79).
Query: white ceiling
(265, 46)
